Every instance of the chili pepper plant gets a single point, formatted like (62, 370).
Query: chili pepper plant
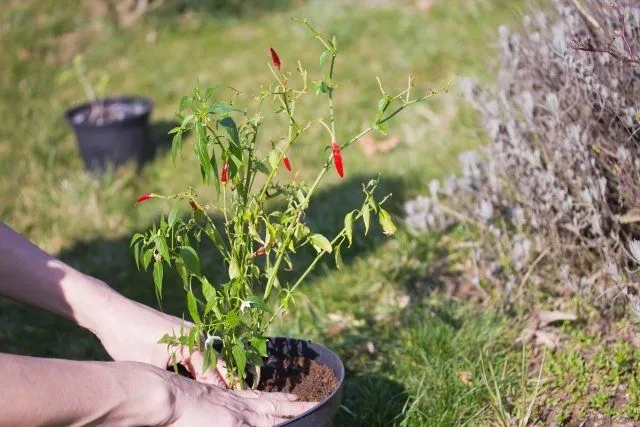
(254, 240)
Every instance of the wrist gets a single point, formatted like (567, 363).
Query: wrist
(148, 395)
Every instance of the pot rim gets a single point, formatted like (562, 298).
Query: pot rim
(127, 99)
(341, 377)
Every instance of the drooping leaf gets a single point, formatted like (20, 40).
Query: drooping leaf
(173, 217)
(136, 254)
(339, 261)
(366, 217)
(194, 338)
(240, 357)
(190, 258)
(158, 272)
(388, 227)
(323, 57)
(146, 258)
(233, 270)
(348, 227)
(208, 290)
(192, 306)
(320, 243)
(162, 248)
(176, 145)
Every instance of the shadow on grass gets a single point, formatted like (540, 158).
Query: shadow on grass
(226, 8)
(112, 260)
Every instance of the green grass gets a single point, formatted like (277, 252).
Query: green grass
(405, 346)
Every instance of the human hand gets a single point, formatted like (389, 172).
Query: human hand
(129, 331)
(198, 404)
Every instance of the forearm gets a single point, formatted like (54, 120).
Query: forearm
(36, 391)
(29, 275)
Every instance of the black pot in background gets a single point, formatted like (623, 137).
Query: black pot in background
(323, 414)
(117, 141)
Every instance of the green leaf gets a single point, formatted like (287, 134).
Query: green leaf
(260, 344)
(240, 356)
(136, 254)
(206, 167)
(158, 272)
(184, 102)
(261, 167)
(258, 303)
(232, 129)
(146, 258)
(166, 339)
(348, 227)
(320, 242)
(232, 319)
(176, 146)
(323, 57)
(233, 270)
(388, 227)
(366, 217)
(162, 248)
(135, 238)
(194, 338)
(208, 290)
(221, 108)
(273, 159)
(339, 261)
(173, 217)
(209, 359)
(190, 258)
(192, 306)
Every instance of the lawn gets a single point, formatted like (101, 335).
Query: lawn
(415, 351)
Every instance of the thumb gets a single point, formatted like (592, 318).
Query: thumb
(194, 363)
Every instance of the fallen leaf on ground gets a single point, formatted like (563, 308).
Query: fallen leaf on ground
(549, 317)
(466, 378)
(548, 339)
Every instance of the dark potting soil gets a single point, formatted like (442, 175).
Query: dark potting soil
(305, 378)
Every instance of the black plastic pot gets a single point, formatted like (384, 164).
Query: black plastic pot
(114, 140)
(323, 414)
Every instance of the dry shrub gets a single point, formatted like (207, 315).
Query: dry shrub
(560, 176)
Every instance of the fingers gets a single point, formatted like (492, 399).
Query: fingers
(194, 362)
(261, 420)
(252, 394)
(279, 408)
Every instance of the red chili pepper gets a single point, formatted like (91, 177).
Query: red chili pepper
(193, 206)
(337, 158)
(287, 164)
(145, 196)
(225, 172)
(275, 58)
(260, 251)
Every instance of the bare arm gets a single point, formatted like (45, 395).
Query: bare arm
(60, 392)
(30, 275)
(126, 392)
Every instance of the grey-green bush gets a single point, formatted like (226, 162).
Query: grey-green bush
(561, 174)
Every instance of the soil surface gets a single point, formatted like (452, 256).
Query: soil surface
(305, 378)
(101, 113)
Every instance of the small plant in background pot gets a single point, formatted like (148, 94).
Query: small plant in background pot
(109, 131)
(255, 241)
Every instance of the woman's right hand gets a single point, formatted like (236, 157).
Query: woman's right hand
(192, 403)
